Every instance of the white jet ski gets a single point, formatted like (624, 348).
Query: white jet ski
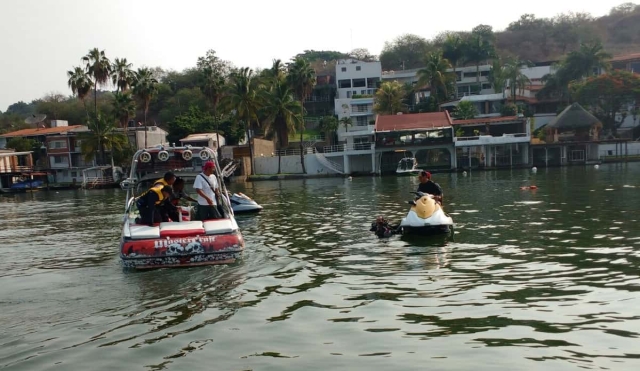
(241, 203)
(426, 217)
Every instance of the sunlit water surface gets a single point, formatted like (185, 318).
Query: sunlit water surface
(544, 279)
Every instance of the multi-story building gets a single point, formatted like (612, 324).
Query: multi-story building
(357, 83)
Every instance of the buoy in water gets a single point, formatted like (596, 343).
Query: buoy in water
(350, 178)
(534, 169)
(596, 166)
(464, 173)
(529, 188)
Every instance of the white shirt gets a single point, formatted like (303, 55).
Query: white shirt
(201, 183)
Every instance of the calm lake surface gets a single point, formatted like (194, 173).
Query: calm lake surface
(546, 279)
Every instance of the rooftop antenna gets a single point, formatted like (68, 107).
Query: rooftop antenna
(35, 119)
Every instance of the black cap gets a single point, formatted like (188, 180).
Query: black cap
(167, 189)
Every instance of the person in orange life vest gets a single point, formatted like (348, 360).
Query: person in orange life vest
(150, 204)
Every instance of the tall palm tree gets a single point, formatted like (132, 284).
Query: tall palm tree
(124, 107)
(241, 95)
(213, 86)
(453, 51)
(302, 79)
(100, 137)
(283, 113)
(145, 86)
(477, 51)
(513, 72)
(98, 66)
(497, 76)
(122, 75)
(80, 84)
(389, 99)
(436, 75)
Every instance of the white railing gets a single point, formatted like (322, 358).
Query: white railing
(348, 147)
(92, 182)
(294, 151)
(329, 164)
(489, 139)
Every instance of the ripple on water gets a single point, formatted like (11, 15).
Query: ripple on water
(518, 287)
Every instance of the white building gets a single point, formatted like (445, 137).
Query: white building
(357, 83)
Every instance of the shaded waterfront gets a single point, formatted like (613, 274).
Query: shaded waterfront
(534, 279)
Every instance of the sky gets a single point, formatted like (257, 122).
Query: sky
(40, 40)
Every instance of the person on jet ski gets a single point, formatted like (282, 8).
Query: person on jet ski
(428, 186)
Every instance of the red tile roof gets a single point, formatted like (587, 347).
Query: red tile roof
(412, 121)
(41, 131)
(487, 120)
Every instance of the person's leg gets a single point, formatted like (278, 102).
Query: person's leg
(202, 212)
(145, 215)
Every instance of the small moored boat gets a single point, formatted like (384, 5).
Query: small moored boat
(184, 242)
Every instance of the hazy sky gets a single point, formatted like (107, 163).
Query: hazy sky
(41, 39)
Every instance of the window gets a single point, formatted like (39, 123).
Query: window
(372, 82)
(359, 83)
(57, 144)
(363, 92)
(486, 86)
(59, 159)
(344, 83)
(344, 69)
(358, 68)
(635, 67)
(74, 174)
(348, 94)
(470, 74)
(484, 73)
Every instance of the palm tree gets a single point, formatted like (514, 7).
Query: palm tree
(124, 107)
(346, 122)
(513, 72)
(101, 136)
(302, 79)
(145, 87)
(241, 95)
(329, 125)
(435, 75)
(282, 114)
(453, 51)
(389, 99)
(97, 66)
(122, 75)
(477, 50)
(213, 85)
(498, 76)
(80, 84)
(581, 63)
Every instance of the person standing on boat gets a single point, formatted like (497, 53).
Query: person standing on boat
(168, 179)
(428, 186)
(170, 207)
(206, 185)
(150, 204)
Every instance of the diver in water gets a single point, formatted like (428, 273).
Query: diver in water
(383, 229)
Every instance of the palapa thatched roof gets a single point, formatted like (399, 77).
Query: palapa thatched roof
(574, 117)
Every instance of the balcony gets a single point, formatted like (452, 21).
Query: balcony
(349, 149)
(482, 140)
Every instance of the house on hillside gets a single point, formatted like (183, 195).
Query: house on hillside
(17, 167)
(498, 142)
(573, 137)
(427, 137)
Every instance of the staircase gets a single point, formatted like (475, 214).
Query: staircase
(330, 164)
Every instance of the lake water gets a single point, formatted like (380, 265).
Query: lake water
(546, 279)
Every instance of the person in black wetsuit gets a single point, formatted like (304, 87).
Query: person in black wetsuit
(428, 186)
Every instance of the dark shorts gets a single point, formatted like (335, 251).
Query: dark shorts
(206, 212)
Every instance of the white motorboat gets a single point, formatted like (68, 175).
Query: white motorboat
(407, 166)
(241, 203)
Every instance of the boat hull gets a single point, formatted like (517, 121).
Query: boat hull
(181, 252)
